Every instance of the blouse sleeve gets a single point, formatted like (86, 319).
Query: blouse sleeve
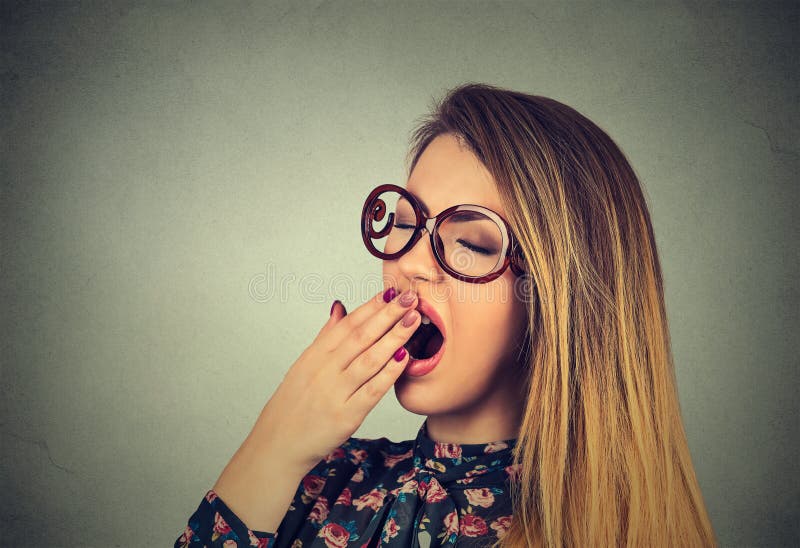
(215, 525)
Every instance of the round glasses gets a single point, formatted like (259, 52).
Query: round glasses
(470, 242)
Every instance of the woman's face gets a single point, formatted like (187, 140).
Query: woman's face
(472, 395)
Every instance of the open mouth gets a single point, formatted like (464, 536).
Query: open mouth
(426, 340)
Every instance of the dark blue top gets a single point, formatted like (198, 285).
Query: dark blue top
(375, 492)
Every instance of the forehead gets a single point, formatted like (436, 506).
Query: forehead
(447, 175)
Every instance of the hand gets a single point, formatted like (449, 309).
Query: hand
(337, 380)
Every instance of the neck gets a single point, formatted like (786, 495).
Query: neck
(491, 424)
(496, 416)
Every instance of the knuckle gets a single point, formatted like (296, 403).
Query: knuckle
(361, 336)
(353, 369)
(368, 363)
(372, 390)
(368, 359)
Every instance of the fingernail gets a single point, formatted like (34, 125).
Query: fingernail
(400, 354)
(410, 318)
(333, 306)
(407, 298)
(389, 294)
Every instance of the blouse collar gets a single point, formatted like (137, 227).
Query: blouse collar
(463, 463)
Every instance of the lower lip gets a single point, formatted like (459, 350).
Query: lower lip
(418, 368)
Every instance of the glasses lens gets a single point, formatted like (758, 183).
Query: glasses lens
(470, 242)
(391, 222)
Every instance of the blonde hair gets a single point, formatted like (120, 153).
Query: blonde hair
(602, 451)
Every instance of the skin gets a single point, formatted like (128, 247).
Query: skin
(484, 323)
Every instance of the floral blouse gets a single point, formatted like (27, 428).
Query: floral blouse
(375, 492)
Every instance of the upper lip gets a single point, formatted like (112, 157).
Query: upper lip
(425, 307)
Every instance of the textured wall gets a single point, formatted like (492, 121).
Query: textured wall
(162, 163)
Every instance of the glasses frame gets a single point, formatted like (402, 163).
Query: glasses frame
(512, 256)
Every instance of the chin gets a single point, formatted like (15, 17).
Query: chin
(416, 398)
(419, 405)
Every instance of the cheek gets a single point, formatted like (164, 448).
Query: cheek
(488, 329)
(484, 330)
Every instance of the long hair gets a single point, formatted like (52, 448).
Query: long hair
(601, 452)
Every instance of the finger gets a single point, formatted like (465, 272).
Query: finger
(374, 358)
(360, 338)
(338, 311)
(343, 328)
(364, 400)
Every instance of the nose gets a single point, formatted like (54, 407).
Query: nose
(419, 263)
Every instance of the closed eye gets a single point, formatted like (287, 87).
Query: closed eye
(474, 248)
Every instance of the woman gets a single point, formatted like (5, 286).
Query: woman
(542, 364)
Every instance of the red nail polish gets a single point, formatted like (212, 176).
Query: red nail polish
(400, 354)
(333, 306)
(389, 294)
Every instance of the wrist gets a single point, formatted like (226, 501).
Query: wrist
(263, 443)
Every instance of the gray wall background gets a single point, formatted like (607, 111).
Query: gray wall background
(166, 165)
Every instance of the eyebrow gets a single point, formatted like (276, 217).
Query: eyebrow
(421, 203)
(457, 218)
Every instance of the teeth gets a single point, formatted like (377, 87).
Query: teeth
(425, 319)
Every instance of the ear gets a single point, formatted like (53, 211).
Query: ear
(518, 264)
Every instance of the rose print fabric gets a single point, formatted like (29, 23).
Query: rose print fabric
(375, 492)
